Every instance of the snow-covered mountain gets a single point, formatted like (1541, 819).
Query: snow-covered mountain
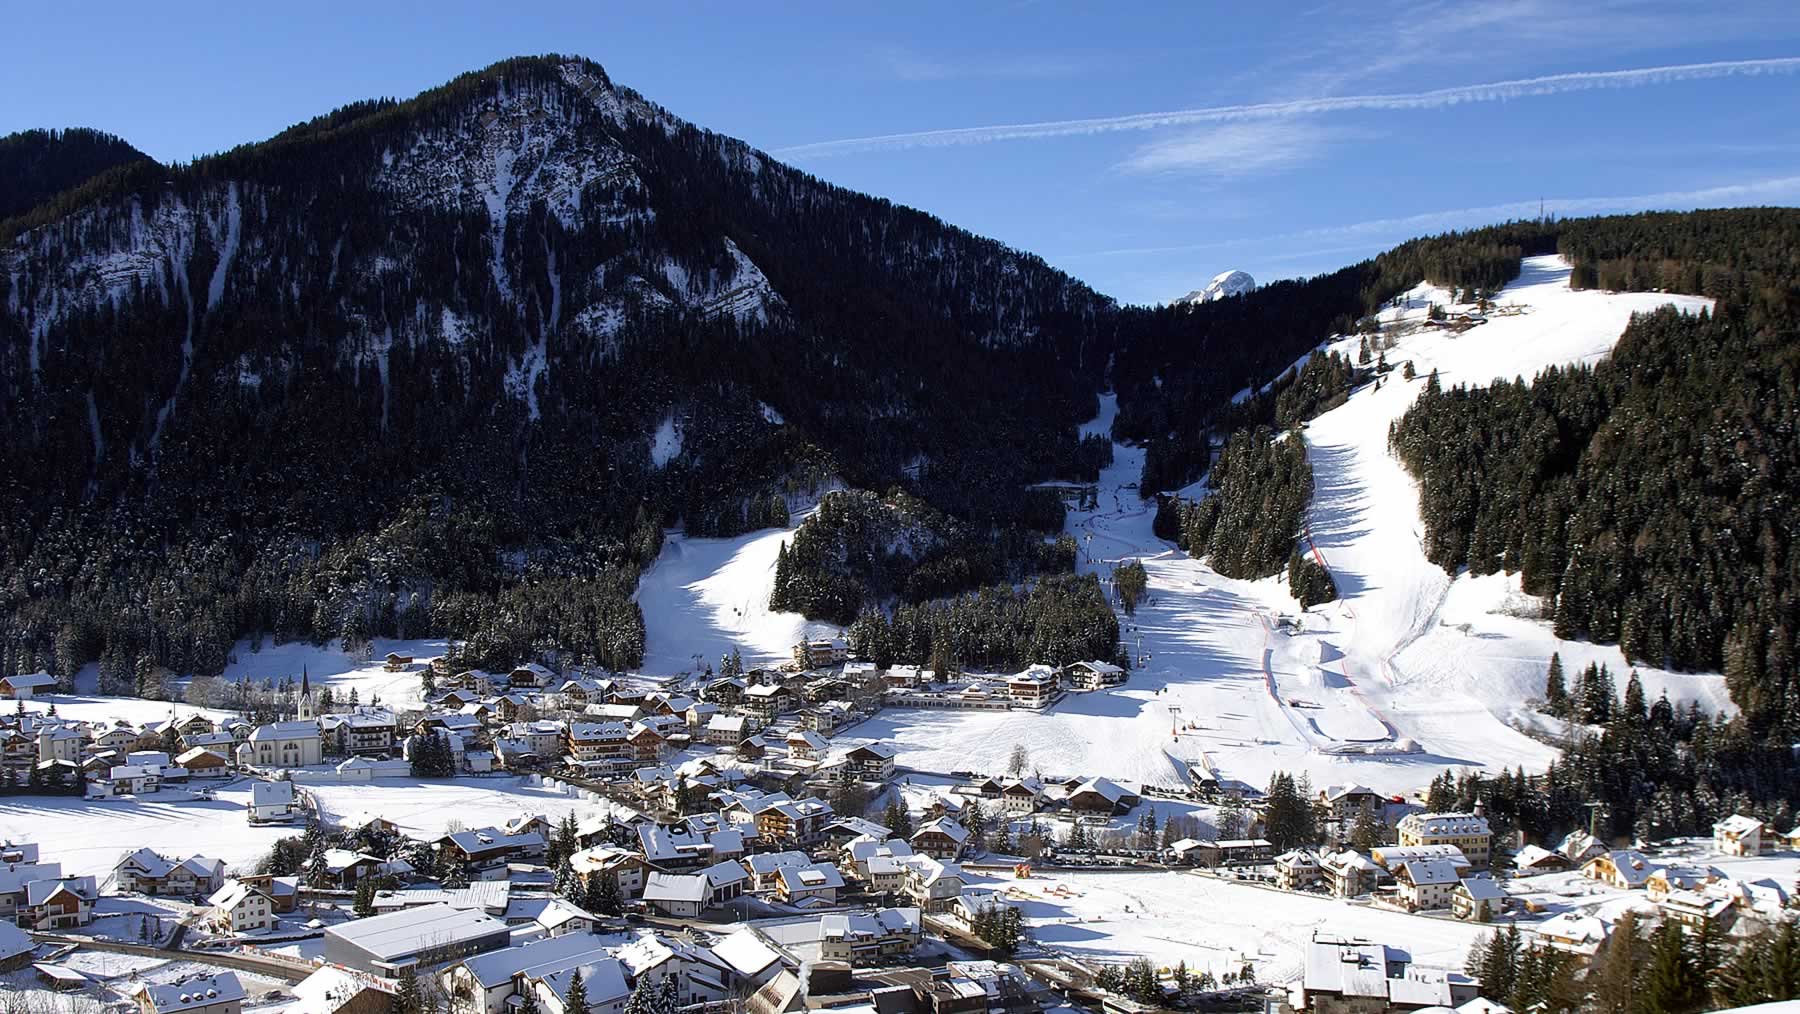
(1223, 285)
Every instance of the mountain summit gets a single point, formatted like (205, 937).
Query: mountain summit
(1227, 283)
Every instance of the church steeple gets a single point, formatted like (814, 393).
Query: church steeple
(304, 707)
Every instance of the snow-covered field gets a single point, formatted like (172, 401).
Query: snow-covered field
(704, 597)
(89, 837)
(1213, 925)
(1410, 672)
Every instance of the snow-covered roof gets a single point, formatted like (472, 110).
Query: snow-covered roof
(401, 933)
(1440, 824)
(745, 953)
(199, 991)
(811, 877)
(275, 731)
(1482, 888)
(231, 895)
(946, 827)
(692, 888)
(30, 680)
(535, 959)
(603, 980)
(1737, 825)
(331, 987)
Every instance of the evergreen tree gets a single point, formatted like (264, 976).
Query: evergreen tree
(897, 819)
(1672, 984)
(1556, 693)
(575, 1000)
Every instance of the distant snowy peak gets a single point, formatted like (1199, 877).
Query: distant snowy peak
(1228, 283)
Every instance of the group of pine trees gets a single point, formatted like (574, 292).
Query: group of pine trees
(1637, 971)
(860, 550)
(1054, 620)
(1248, 524)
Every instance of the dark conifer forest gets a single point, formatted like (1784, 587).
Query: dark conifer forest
(37, 165)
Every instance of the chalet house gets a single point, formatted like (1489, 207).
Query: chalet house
(825, 717)
(1092, 675)
(1697, 912)
(283, 892)
(1021, 795)
(135, 779)
(725, 692)
(727, 730)
(940, 839)
(766, 702)
(806, 745)
(1533, 860)
(273, 802)
(59, 742)
(1477, 899)
(679, 896)
(988, 788)
(1100, 798)
(15, 881)
(931, 885)
(765, 869)
(1345, 804)
(146, 872)
(814, 884)
(1577, 847)
(343, 868)
(584, 690)
(1467, 831)
(902, 677)
(752, 748)
(870, 762)
(800, 821)
(119, 737)
(1297, 870)
(860, 939)
(1036, 687)
(1348, 873)
(363, 732)
(57, 904)
(396, 662)
(1244, 851)
(530, 676)
(25, 686)
(238, 907)
(1195, 852)
(628, 868)
(489, 846)
(820, 653)
(603, 744)
(647, 744)
(1573, 933)
(698, 714)
(543, 738)
(1624, 869)
(285, 745)
(200, 762)
(1738, 835)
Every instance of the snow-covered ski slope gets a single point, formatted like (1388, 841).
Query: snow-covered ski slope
(1408, 673)
(704, 597)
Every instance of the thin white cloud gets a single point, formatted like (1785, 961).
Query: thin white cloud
(1774, 190)
(1235, 149)
(1497, 91)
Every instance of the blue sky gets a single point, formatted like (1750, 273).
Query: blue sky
(1302, 137)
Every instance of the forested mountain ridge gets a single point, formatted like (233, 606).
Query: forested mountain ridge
(396, 365)
(37, 165)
